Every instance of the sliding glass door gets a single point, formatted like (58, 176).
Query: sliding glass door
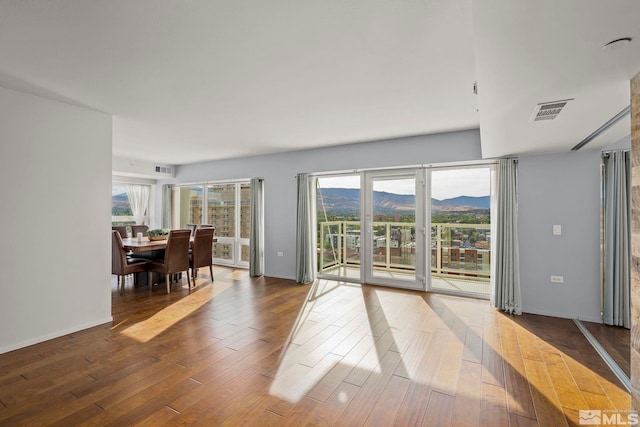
(394, 229)
(424, 228)
(460, 217)
(338, 226)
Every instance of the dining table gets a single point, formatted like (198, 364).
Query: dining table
(134, 245)
(149, 249)
(143, 245)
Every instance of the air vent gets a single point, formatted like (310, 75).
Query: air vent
(548, 110)
(164, 169)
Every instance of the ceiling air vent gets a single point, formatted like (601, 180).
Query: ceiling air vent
(548, 110)
(164, 169)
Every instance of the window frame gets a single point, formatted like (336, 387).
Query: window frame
(130, 219)
(236, 241)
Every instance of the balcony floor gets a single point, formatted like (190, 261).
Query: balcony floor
(447, 283)
(453, 284)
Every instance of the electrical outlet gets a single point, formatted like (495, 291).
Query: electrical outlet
(557, 279)
(280, 253)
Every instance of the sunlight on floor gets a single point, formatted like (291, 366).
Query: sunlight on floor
(340, 327)
(316, 338)
(351, 335)
(343, 327)
(152, 327)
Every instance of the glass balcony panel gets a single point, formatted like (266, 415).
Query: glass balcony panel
(330, 253)
(223, 251)
(452, 257)
(352, 244)
(244, 253)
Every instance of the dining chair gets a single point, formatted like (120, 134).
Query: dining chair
(191, 227)
(135, 229)
(202, 253)
(122, 229)
(176, 257)
(121, 265)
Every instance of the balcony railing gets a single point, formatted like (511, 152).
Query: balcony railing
(457, 250)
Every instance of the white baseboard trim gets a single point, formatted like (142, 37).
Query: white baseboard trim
(53, 335)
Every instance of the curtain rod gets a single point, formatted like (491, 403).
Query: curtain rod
(464, 163)
(222, 181)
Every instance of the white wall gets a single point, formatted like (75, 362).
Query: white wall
(55, 169)
(562, 189)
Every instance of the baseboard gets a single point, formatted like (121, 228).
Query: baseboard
(53, 335)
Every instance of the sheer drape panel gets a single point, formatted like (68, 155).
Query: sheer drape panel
(304, 233)
(139, 201)
(256, 233)
(617, 244)
(166, 206)
(506, 294)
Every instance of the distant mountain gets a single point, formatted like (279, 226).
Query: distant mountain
(339, 199)
(120, 198)
(120, 204)
(384, 202)
(347, 200)
(482, 202)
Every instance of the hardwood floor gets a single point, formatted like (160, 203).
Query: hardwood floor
(266, 351)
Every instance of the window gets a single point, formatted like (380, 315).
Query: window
(129, 203)
(189, 201)
(227, 209)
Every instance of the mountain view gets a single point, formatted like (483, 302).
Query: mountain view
(347, 200)
(120, 205)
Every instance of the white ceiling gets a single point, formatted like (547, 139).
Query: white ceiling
(190, 81)
(529, 52)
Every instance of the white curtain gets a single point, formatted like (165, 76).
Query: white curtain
(256, 233)
(139, 200)
(166, 206)
(506, 295)
(304, 233)
(616, 307)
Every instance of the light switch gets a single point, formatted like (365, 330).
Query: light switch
(557, 230)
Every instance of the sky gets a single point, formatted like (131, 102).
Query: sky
(117, 189)
(445, 183)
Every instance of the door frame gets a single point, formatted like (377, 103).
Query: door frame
(366, 226)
